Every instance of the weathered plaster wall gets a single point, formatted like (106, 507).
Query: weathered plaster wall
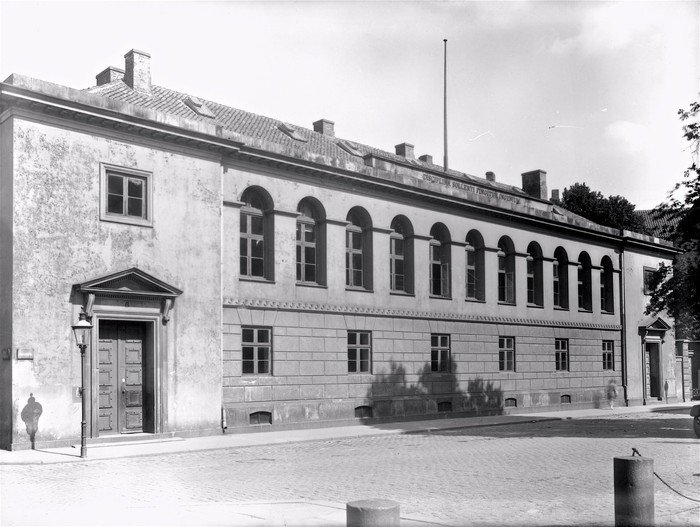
(338, 199)
(636, 302)
(6, 360)
(60, 241)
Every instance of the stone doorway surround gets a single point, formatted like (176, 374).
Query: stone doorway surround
(653, 332)
(131, 295)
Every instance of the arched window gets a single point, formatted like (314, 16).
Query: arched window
(534, 275)
(584, 282)
(440, 256)
(257, 230)
(560, 278)
(607, 303)
(474, 256)
(311, 242)
(358, 249)
(401, 255)
(506, 270)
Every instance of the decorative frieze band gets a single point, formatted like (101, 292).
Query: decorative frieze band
(255, 303)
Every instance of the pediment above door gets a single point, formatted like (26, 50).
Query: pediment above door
(131, 282)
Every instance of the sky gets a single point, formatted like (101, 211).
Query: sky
(587, 91)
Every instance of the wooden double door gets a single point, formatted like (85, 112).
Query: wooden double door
(125, 388)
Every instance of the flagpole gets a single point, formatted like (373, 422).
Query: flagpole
(445, 103)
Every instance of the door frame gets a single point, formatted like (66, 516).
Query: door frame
(155, 345)
(654, 357)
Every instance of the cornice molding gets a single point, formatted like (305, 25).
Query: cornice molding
(280, 305)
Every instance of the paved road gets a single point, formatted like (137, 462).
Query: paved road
(556, 472)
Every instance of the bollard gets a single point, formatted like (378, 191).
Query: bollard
(634, 491)
(372, 513)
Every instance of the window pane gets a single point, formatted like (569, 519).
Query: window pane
(310, 254)
(244, 222)
(444, 360)
(398, 267)
(357, 278)
(135, 207)
(263, 336)
(248, 366)
(299, 231)
(256, 267)
(444, 341)
(244, 266)
(115, 185)
(298, 253)
(248, 353)
(263, 360)
(310, 234)
(398, 246)
(357, 261)
(135, 188)
(364, 338)
(352, 337)
(248, 335)
(257, 248)
(115, 204)
(399, 283)
(256, 224)
(309, 273)
(357, 240)
(244, 247)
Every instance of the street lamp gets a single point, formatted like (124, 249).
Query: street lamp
(82, 331)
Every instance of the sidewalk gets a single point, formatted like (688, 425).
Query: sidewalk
(142, 446)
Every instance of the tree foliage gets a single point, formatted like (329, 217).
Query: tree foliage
(676, 288)
(613, 211)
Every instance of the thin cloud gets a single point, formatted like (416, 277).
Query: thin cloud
(631, 138)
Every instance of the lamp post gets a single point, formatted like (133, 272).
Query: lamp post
(82, 331)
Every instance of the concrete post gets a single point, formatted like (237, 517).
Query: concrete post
(634, 491)
(372, 513)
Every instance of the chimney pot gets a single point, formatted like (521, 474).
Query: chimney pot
(555, 194)
(109, 74)
(405, 150)
(325, 127)
(535, 183)
(138, 71)
(426, 158)
(490, 176)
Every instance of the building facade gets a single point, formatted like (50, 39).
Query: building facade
(241, 273)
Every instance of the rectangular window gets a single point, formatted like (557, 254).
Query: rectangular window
(252, 244)
(608, 355)
(256, 351)
(359, 352)
(471, 272)
(506, 353)
(397, 263)
(439, 270)
(648, 277)
(530, 263)
(506, 281)
(440, 356)
(306, 252)
(353, 257)
(125, 195)
(561, 354)
(555, 284)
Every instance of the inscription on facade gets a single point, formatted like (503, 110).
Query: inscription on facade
(469, 188)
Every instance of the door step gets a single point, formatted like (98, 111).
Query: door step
(129, 439)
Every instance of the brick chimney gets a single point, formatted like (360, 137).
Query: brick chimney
(325, 127)
(426, 158)
(405, 150)
(555, 194)
(535, 183)
(138, 71)
(490, 176)
(108, 75)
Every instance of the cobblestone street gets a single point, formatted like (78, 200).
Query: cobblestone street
(555, 472)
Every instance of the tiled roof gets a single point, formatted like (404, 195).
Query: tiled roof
(658, 225)
(258, 127)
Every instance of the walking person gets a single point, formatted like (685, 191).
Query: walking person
(611, 393)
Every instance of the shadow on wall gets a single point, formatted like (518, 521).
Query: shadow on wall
(435, 394)
(30, 415)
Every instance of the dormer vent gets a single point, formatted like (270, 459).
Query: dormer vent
(350, 148)
(291, 132)
(405, 150)
(198, 106)
(325, 127)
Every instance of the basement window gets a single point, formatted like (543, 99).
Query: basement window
(511, 402)
(260, 418)
(198, 106)
(363, 412)
(291, 132)
(444, 406)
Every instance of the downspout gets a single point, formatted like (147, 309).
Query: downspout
(623, 339)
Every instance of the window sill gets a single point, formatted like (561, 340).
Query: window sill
(401, 293)
(256, 280)
(359, 290)
(607, 312)
(585, 310)
(312, 285)
(475, 300)
(436, 297)
(535, 306)
(559, 308)
(506, 303)
(126, 220)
